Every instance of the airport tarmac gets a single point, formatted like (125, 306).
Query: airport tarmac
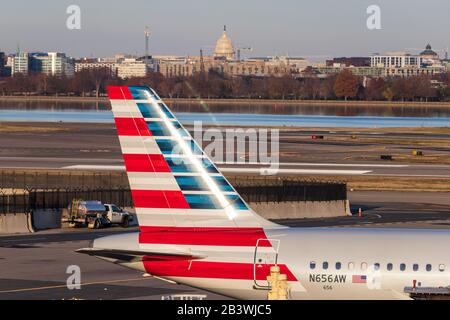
(33, 266)
(96, 146)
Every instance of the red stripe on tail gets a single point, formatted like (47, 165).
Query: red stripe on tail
(132, 127)
(119, 93)
(203, 236)
(145, 163)
(159, 199)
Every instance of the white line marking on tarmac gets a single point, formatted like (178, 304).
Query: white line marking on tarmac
(262, 170)
(409, 175)
(306, 164)
(65, 285)
(242, 170)
(293, 171)
(94, 167)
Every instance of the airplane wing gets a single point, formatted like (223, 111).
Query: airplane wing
(135, 255)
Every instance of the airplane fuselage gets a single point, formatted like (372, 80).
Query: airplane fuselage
(320, 263)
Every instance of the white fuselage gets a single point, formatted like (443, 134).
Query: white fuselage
(355, 252)
(327, 263)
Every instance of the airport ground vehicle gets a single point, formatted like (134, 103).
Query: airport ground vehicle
(96, 215)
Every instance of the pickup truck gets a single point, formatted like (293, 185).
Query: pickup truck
(117, 216)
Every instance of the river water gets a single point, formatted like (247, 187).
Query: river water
(241, 114)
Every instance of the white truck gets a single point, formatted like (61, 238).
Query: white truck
(118, 216)
(96, 215)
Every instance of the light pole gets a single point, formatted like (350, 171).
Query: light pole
(147, 34)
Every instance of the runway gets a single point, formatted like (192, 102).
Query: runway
(284, 168)
(96, 146)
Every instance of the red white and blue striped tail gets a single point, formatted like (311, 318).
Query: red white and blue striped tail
(175, 186)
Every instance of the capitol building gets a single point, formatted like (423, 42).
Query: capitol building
(224, 47)
(225, 59)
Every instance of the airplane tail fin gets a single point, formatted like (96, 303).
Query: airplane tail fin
(174, 185)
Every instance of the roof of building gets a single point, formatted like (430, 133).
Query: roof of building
(428, 51)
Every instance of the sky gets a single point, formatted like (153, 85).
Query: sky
(315, 29)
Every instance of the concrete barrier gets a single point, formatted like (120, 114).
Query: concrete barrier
(16, 223)
(51, 219)
(293, 210)
(302, 209)
(46, 219)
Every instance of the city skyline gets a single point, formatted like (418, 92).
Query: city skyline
(315, 31)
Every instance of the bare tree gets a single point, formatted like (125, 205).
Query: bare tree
(374, 89)
(98, 77)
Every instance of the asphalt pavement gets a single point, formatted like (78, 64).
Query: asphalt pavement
(34, 266)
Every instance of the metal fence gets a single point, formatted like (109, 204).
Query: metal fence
(14, 202)
(275, 190)
(56, 179)
(111, 180)
(19, 202)
(283, 191)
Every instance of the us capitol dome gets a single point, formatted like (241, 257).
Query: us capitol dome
(224, 47)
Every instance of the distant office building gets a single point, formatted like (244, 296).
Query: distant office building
(131, 68)
(171, 59)
(409, 72)
(2, 64)
(376, 72)
(296, 64)
(180, 66)
(326, 71)
(349, 62)
(52, 63)
(256, 68)
(407, 65)
(395, 60)
(122, 66)
(278, 65)
(9, 61)
(93, 64)
(20, 63)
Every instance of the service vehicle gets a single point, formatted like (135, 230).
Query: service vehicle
(95, 215)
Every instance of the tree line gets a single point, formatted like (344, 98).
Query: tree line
(342, 86)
